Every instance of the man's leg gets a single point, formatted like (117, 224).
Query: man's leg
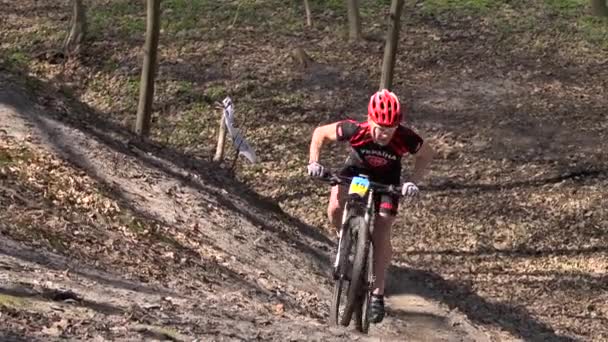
(336, 206)
(383, 251)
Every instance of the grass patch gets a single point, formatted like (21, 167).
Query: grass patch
(511, 24)
(123, 7)
(472, 7)
(215, 93)
(146, 229)
(130, 25)
(56, 242)
(271, 16)
(161, 333)
(27, 230)
(125, 17)
(566, 7)
(184, 87)
(290, 99)
(110, 65)
(194, 127)
(200, 15)
(16, 59)
(8, 156)
(133, 224)
(179, 15)
(204, 16)
(594, 30)
(338, 6)
(372, 8)
(133, 86)
(12, 301)
(5, 158)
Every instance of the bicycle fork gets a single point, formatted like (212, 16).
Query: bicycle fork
(341, 239)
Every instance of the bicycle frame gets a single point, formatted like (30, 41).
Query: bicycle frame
(369, 212)
(358, 219)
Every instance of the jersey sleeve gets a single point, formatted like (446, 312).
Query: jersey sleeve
(411, 140)
(346, 129)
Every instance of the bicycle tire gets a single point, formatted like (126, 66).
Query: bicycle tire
(366, 299)
(334, 311)
(362, 309)
(360, 257)
(340, 282)
(358, 315)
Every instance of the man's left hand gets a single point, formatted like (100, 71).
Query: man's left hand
(409, 189)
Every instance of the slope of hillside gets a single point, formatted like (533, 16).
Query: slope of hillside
(107, 238)
(511, 226)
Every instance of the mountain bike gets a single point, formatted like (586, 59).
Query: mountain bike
(353, 271)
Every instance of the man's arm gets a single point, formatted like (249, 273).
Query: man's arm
(319, 137)
(422, 159)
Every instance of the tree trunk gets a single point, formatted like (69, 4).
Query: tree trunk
(146, 89)
(221, 140)
(599, 8)
(354, 21)
(308, 14)
(390, 47)
(78, 28)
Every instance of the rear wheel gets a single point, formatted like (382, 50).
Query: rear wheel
(355, 289)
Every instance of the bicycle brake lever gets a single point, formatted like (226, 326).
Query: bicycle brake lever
(333, 180)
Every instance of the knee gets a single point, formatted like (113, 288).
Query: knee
(334, 211)
(386, 215)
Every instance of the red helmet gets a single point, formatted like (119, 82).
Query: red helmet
(384, 108)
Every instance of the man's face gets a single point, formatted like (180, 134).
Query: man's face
(382, 135)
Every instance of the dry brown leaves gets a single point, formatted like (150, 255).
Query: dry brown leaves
(509, 222)
(47, 201)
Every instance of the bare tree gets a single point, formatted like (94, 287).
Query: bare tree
(354, 20)
(308, 14)
(599, 8)
(148, 72)
(390, 47)
(78, 28)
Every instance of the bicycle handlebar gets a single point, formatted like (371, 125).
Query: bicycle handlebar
(335, 179)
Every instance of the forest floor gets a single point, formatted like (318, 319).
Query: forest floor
(507, 242)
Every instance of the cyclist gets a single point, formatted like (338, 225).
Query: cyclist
(377, 146)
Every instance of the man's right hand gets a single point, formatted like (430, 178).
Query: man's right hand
(316, 170)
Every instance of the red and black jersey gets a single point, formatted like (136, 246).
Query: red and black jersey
(378, 159)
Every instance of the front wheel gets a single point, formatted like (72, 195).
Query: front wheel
(355, 289)
(341, 275)
(362, 316)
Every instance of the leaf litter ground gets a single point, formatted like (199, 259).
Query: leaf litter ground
(511, 229)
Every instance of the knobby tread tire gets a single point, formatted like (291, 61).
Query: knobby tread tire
(366, 299)
(339, 284)
(334, 310)
(359, 264)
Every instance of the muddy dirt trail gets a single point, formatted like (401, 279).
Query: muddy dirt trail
(236, 268)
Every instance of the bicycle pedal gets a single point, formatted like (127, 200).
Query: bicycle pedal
(335, 274)
(338, 276)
